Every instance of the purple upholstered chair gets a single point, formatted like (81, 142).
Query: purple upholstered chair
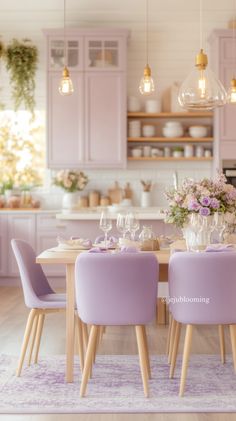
(116, 289)
(38, 296)
(202, 288)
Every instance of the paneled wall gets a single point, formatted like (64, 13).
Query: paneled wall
(173, 43)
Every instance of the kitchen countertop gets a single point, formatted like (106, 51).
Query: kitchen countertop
(152, 213)
(27, 210)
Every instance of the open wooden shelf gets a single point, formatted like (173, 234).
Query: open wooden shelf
(171, 115)
(171, 158)
(170, 139)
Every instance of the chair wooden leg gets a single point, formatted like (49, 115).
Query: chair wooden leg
(172, 337)
(142, 359)
(38, 336)
(222, 343)
(175, 350)
(28, 330)
(80, 342)
(89, 358)
(85, 335)
(168, 335)
(146, 351)
(34, 331)
(232, 329)
(187, 347)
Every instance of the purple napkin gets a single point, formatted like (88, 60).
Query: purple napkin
(97, 250)
(220, 247)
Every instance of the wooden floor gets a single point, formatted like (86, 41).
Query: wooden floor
(13, 314)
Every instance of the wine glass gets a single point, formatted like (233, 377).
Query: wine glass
(121, 224)
(219, 224)
(132, 224)
(105, 225)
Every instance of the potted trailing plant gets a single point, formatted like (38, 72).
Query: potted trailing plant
(21, 61)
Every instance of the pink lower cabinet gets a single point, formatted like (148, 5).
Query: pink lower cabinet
(3, 246)
(48, 228)
(22, 226)
(105, 131)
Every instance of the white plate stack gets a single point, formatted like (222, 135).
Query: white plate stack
(134, 128)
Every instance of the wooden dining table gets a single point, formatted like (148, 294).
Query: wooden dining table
(68, 258)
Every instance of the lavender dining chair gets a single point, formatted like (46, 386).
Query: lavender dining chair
(39, 297)
(116, 289)
(202, 288)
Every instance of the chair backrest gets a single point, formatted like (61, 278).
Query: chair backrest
(202, 287)
(34, 282)
(116, 289)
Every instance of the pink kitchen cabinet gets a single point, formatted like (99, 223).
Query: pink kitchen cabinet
(223, 64)
(48, 228)
(88, 128)
(105, 129)
(65, 123)
(3, 245)
(21, 226)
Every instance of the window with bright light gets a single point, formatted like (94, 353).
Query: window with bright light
(22, 149)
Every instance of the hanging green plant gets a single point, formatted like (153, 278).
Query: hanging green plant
(1, 49)
(21, 61)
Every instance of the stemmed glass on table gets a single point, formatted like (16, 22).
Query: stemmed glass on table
(105, 225)
(132, 224)
(121, 224)
(219, 225)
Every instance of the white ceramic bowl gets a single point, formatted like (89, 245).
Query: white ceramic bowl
(148, 130)
(173, 131)
(136, 152)
(153, 106)
(198, 131)
(173, 123)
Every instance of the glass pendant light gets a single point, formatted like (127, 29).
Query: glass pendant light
(201, 90)
(65, 86)
(231, 93)
(146, 86)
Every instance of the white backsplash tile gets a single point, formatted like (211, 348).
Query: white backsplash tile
(161, 177)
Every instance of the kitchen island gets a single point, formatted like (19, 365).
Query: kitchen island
(86, 220)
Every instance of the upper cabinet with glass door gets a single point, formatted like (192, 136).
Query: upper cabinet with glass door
(74, 53)
(105, 53)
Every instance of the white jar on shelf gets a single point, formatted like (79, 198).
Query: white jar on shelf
(188, 151)
(199, 152)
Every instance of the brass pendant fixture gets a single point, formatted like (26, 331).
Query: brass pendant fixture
(146, 85)
(201, 90)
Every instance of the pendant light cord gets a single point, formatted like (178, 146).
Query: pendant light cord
(233, 41)
(200, 25)
(147, 58)
(65, 61)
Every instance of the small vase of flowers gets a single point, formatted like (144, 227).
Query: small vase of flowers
(72, 182)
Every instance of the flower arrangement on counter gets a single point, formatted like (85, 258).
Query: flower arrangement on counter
(204, 197)
(70, 180)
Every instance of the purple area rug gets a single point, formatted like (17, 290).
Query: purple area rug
(116, 386)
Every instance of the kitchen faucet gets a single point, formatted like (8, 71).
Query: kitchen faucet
(175, 180)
